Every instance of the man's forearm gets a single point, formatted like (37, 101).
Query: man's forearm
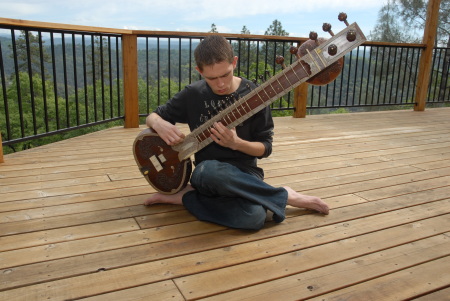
(256, 149)
(152, 119)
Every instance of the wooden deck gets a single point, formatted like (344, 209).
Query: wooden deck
(72, 225)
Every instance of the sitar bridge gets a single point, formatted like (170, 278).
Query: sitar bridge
(157, 162)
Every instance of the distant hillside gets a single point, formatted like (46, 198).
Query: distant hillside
(5, 39)
(86, 56)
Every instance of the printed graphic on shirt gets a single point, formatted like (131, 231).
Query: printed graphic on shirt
(213, 107)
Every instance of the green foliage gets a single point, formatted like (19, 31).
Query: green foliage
(403, 21)
(272, 49)
(29, 46)
(340, 111)
(36, 112)
(98, 59)
(413, 12)
(389, 28)
(281, 113)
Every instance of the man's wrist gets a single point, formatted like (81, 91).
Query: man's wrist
(153, 121)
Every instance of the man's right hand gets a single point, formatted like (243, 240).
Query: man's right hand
(167, 131)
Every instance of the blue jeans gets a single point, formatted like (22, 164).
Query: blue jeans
(230, 197)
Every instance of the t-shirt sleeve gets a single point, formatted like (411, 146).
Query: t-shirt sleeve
(174, 111)
(262, 127)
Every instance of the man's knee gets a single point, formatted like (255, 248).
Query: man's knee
(255, 219)
(210, 171)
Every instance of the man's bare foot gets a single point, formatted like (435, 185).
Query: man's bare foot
(175, 199)
(298, 200)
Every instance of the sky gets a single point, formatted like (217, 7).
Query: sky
(298, 18)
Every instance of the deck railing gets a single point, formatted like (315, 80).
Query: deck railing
(57, 78)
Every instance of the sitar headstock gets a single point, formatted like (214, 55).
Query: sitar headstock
(325, 56)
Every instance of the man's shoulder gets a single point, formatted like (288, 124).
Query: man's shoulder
(197, 85)
(247, 84)
(192, 90)
(247, 81)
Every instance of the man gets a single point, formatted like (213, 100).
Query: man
(227, 186)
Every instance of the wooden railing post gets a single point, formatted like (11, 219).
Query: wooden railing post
(426, 58)
(300, 100)
(1, 149)
(130, 80)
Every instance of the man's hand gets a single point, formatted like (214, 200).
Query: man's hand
(224, 136)
(228, 138)
(167, 131)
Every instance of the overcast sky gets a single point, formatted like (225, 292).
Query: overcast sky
(298, 18)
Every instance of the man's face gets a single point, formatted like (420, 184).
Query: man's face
(220, 76)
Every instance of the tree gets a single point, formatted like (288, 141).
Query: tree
(245, 30)
(276, 29)
(272, 49)
(213, 28)
(246, 50)
(412, 15)
(98, 59)
(414, 12)
(28, 42)
(388, 27)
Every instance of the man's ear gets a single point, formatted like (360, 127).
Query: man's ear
(198, 70)
(235, 60)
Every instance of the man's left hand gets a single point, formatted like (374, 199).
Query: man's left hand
(224, 136)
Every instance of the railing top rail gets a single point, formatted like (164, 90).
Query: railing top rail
(58, 26)
(390, 44)
(177, 34)
(149, 33)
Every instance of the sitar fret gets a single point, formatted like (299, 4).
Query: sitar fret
(295, 73)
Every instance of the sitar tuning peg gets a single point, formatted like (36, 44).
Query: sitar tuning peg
(351, 35)
(343, 18)
(294, 50)
(327, 28)
(266, 75)
(314, 36)
(280, 61)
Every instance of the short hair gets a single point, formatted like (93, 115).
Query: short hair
(212, 50)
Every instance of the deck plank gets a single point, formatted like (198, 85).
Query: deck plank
(331, 277)
(72, 223)
(161, 291)
(400, 285)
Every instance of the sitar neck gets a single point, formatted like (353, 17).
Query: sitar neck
(254, 101)
(274, 88)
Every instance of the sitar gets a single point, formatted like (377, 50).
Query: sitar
(168, 168)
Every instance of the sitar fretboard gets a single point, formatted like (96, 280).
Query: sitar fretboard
(254, 101)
